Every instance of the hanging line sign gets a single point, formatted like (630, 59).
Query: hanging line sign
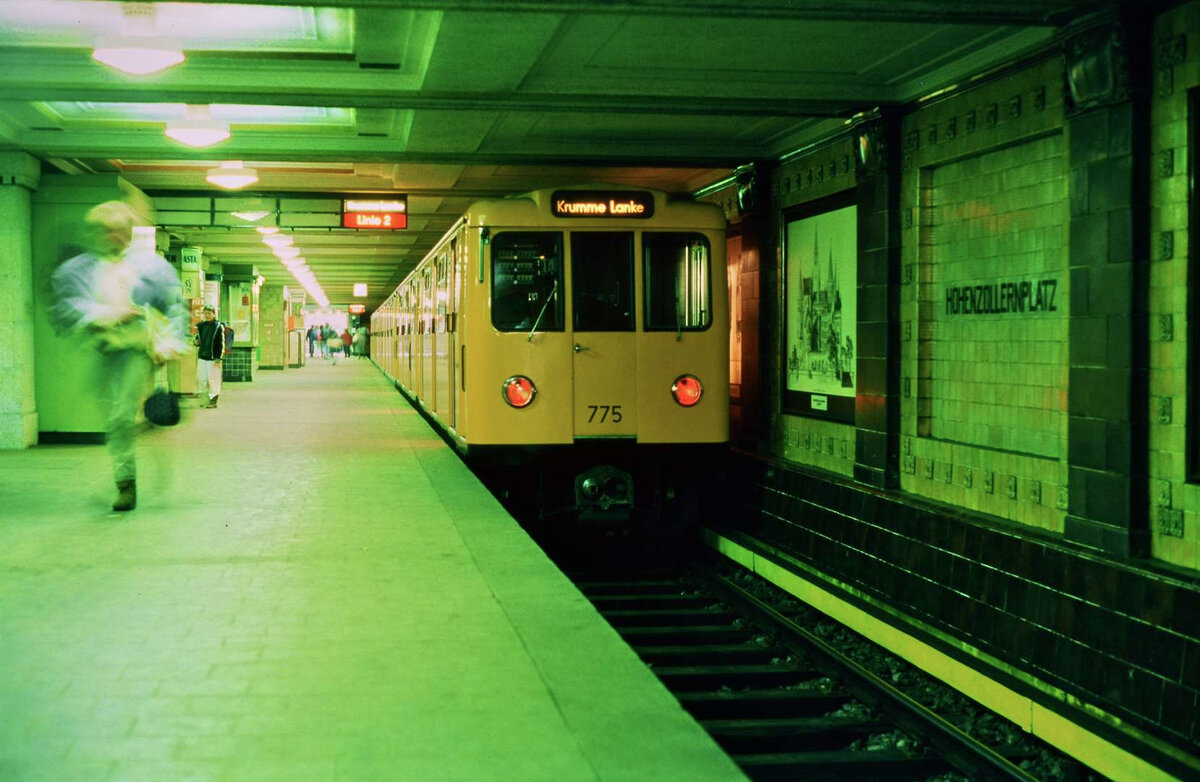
(386, 214)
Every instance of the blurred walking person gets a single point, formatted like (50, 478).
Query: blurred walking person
(127, 305)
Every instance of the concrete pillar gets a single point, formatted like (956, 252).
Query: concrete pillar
(1108, 412)
(67, 408)
(272, 313)
(877, 402)
(19, 174)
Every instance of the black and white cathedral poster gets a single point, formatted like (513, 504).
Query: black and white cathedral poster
(821, 242)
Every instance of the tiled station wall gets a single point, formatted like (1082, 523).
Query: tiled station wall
(1058, 623)
(966, 538)
(1175, 516)
(984, 361)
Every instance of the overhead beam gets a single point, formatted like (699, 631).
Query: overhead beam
(139, 144)
(56, 77)
(1028, 12)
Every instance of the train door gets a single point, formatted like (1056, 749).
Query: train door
(441, 337)
(452, 283)
(604, 337)
(425, 338)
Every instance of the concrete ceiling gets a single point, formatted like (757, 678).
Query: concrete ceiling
(450, 100)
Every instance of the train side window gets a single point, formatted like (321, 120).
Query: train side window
(527, 281)
(677, 274)
(602, 280)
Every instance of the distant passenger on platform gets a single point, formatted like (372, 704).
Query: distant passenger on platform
(126, 304)
(346, 342)
(312, 340)
(321, 335)
(360, 342)
(333, 343)
(210, 338)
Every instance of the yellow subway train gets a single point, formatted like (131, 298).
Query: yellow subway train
(573, 344)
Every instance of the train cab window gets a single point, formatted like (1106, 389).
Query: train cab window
(602, 280)
(677, 274)
(527, 281)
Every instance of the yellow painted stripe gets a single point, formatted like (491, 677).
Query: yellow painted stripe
(1053, 728)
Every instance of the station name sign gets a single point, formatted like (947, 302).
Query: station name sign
(999, 298)
(358, 309)
(388, 214)
(607, 203)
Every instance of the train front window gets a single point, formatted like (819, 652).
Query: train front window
(677, 274)
(527, 281)
(602, 280)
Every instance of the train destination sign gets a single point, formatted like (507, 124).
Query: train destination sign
(387, 214)
(607, 203)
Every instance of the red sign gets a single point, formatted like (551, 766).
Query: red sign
(358, 309)
(381, 220)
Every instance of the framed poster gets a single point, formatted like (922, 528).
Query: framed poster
(820, 330)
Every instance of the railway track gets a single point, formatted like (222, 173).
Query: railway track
(785, 704)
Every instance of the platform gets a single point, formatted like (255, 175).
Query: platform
(269, 613)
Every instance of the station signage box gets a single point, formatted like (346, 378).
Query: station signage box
(386, 214)
(358, 309)
(602, 203)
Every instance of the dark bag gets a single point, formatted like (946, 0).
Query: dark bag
(162, 408)
(227, 333)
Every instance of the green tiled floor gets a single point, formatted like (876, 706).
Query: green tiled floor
(311, 587)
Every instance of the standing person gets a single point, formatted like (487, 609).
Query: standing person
(321, 339)
(128, 305)
(210, 338)
(312, 339)
(360, 341)
(334, 344)
(346, 342)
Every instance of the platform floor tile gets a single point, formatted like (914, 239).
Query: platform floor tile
(271, 612)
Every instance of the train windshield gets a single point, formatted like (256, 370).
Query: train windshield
(678, 293)
(602, 280)
(527, 281)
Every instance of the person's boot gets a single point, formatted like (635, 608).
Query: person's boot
(212, 401)
(126, 495)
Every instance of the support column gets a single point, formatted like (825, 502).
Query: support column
(1109, 161)
(19, 175)
(877, 401)
(272, 313)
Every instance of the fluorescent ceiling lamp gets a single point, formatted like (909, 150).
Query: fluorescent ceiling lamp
(250, 217)
(232, 175)
(267, 229)
(137, 54)
(277, 240)
(286, 252)
(197, 128)
(138, 49)
(360, 289)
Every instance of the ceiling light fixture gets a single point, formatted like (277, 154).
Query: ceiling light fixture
(250, 217)
(232, 175)
(286, 252)
(277, 240)
(197, 128)
(266, 230)
(360, 289)
(138, 49)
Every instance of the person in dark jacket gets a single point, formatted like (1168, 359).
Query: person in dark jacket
(210, 338)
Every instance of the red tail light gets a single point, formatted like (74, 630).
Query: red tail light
(519, 391)
(687, 390)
